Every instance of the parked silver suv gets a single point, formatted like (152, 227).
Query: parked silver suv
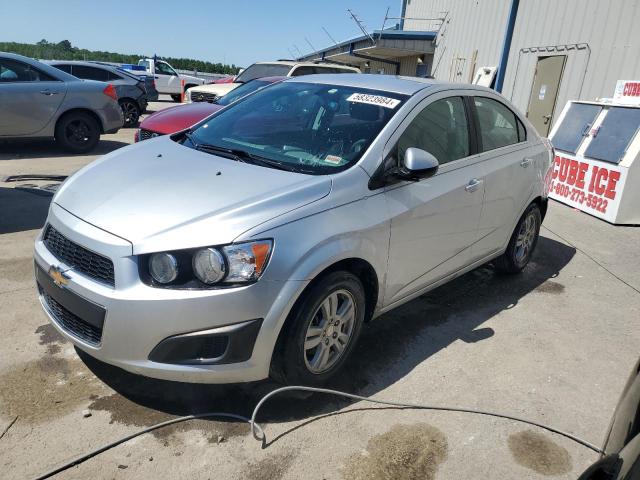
(263, 239)
(40, 101)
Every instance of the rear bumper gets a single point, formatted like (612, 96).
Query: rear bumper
(111, 117)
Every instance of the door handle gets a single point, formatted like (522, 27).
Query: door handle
(48, 92)
(546, 118)
(473, 185)
(525, 162)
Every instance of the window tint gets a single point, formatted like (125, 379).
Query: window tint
(614, 135)
(498, 125)
(113, 76)
(299, 71)
(575, 126)
(89, 73)
(64, 68)
(441, 129)
(12, 71)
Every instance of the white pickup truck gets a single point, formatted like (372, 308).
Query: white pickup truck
(167, 79)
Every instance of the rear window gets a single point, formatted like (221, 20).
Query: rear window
(614, 135)
(575, 126)
(90, 73)
(258, 70)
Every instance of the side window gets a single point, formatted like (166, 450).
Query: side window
(64, 68)
(498, 125)
(12, 71)
(113, 76)
(440, 129)
(89, 73)
(165, 69)
(303, 71)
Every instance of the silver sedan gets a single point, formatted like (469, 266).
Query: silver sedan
(262, 240)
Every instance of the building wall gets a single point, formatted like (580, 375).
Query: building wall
(469, 25)
(608, 32)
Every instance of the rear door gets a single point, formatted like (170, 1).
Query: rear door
(434, 222)
(509, 169)
(28, 96)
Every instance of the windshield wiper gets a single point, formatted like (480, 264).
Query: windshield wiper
(246, 157)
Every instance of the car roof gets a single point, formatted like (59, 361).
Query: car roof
(389, 83)
(82, 63)
(293, 63)
(54, 72)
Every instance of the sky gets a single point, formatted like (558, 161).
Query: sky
(237, 32)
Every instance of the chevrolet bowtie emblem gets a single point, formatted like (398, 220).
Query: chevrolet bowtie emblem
(58, 276)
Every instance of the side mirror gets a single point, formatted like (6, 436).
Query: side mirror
(418, 164)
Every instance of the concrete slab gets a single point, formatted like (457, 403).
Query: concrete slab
(554, 345)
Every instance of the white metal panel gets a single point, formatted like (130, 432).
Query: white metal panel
(607, 29)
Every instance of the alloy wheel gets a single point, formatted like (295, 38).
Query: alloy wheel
(330, 331)
(526, 238)
(130, 113)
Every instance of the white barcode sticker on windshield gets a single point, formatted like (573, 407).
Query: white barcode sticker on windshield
(378, 100)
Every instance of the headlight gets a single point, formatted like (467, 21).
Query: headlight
(208, 265)
(247, 260)
(187, 96)
(163, 267)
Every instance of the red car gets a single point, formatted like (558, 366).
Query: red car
(173, 119)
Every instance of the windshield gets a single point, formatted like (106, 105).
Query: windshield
(303, 127)
(258, 70)
(241, 91)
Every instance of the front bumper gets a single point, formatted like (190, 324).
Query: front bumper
(138, 318)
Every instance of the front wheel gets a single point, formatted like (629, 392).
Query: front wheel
(522, 243)
(321, 331)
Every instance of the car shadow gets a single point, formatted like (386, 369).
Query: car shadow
(390, 347)
(23, 208)
(29, 149)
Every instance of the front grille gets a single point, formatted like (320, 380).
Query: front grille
(147, 134)
(79, 258)
(203, 97)
(71, 322)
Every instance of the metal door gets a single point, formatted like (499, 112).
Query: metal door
(544, 92)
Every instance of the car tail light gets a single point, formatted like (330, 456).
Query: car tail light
(110, 91)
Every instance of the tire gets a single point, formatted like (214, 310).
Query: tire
(130, 111)
(77, 132)
(176, 98)
(307, 323)
(522, 243)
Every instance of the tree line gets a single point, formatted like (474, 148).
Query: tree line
(44, 50)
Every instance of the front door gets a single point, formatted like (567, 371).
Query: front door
(167, 80)
(544, 92)
(29, 98)
(434, 222)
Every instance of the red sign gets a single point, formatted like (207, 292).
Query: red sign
(592, 186)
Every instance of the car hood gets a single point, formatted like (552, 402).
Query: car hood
(174, 119)
(160, 195)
